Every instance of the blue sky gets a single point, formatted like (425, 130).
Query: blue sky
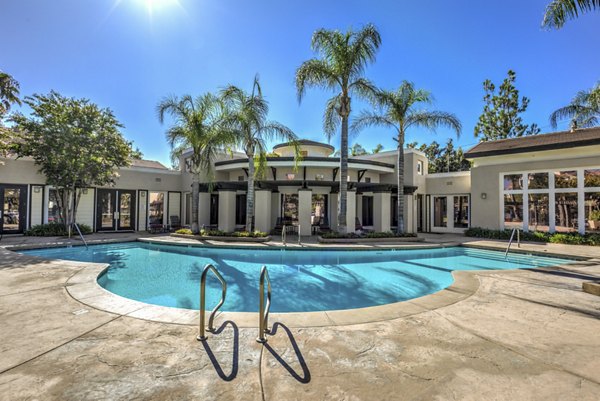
(122, 55)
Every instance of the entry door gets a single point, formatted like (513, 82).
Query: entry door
(13, 203)
(115, 210)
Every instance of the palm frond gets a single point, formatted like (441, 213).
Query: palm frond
(558, 12)
(331, 117)
(315, 73)
(369, 119)
(433, 119)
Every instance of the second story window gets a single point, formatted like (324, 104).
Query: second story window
(420, 167)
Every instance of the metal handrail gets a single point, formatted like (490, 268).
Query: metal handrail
(299, 230)
(81, 235)
(512, 235)
(211, 328)
(263, 311)
(283, 235)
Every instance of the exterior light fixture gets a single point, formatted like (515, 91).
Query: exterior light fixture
(483, 195)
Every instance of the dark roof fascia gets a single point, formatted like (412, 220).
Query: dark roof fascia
(311, 159)
(535, 148)
(305, 142)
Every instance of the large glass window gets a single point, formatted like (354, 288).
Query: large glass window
(592, 178)
(240, 209)
(214, 210)
(53, 206)
(394, 211)
(289, 206)
(513, 182)
(539, 216)
(461, 211)
(592, 211)
(367, 211)
(440, 211)
(319, 210)
(156, 208)
(537, 181)
(513, 210)
(565, 179)
(565, 212)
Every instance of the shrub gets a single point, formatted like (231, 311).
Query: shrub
(54, 230)
(537, 236)
(595, 215)
(370, 234)
(239, 234)
(185, 231)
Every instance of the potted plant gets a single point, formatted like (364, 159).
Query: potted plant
(594, 220)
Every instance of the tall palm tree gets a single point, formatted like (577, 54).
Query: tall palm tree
(9, 93)
(398, 110)
(584, 109)
(197, 124)
(559, 11)
(340, 68)
(247, 119)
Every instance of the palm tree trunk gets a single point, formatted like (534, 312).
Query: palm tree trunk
(400, 182)
(195, 206)
(250, 194)
(343, 200)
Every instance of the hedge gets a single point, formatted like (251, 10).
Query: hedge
(537, 236)
(54, 230)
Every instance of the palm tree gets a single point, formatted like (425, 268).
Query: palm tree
(344, 57)
(398, 111)
(559, 11)
(9, 93)
(197, 125)
(584, 109)
(247, 119)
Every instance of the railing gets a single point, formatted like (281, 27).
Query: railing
(263, 311)
(80, 235)
(201, 327)
(299, 231)
(512, 235)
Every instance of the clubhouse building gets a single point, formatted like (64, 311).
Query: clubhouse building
(547, 182)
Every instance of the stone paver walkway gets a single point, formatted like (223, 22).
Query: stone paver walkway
(523, 335)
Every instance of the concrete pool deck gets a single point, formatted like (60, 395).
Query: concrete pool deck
(526, 334)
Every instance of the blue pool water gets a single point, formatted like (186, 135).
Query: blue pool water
(302, 280)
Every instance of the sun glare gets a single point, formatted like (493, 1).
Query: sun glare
(153, 6)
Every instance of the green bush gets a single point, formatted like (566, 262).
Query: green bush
(371, 234)
(239, 234)
(185, 231)
(595, 215)
(54, 230)
(537, 236)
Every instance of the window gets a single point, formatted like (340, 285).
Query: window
(319, 210)
(537, 181)
(565, 212)
(240, 178)
(461, 211)
(156, 208)
(214, 209)
(289, 208)
(565, 179)
(394, 211)
(539, 216)
(53, 206)
(440, 211)
(420, 166)
(592, 211)
(367, 179)
(367, 210)
(513, 210)
(240, 209)
(592, 178)
(303, 153)
(513, 182)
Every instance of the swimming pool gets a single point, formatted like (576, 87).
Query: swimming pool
(169, 275)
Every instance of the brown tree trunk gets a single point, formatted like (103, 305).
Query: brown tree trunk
(195, 201)
(250, 195)
(343, 198)
(400, 182)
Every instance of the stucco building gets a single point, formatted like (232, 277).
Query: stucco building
(548, 182)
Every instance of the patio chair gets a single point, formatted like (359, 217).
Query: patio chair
(175, 223)
(324, 225)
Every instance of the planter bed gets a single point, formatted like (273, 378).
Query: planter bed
(368, 240)
(223, 238)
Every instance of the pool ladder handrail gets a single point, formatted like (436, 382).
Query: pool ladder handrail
(512, 235)
(283, 235)
(201, 325)
(263, 310)
(81, 235)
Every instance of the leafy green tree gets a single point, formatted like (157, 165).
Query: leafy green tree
(400, 111)
(358, 150)
(443, 159)
(583, 111)
(558, 12)
(247, 118)
(9, 95)
(501, 114)
(197, 124)
(340, 68)
(75, 144)
(377, 148)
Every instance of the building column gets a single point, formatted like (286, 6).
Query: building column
(351, 211)
(275, 207)
(262, 210)
(203, 209)
(359, 208)
(333, 210)
(304, 210)
(381, 211)
(227, 210)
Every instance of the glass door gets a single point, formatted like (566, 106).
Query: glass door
(126, 212)
(13, 202)
(115, 210)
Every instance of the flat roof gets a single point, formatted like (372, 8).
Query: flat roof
(533, 143)
(305, 142)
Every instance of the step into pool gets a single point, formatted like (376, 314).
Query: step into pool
(318, 280)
